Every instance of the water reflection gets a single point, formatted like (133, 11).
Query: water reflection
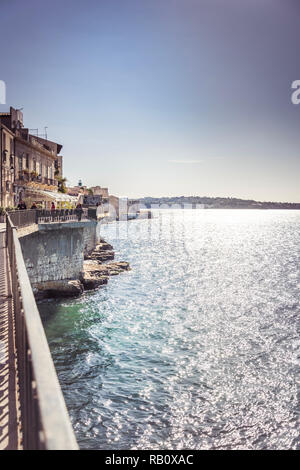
(196, 347)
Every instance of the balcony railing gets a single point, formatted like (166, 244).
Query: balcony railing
(44, 418)
(25, 177)
(49, 181)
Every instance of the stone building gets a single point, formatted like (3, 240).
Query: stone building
(98, 191)
(37, 164)
(7, 144)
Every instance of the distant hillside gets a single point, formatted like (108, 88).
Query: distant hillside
(217, 203)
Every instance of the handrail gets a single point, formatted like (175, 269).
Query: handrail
(44, 416)
(24, 218)
(61, 215)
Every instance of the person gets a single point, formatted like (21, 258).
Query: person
(34, 206)
(79, 211)
(53, 211)
(22, 206)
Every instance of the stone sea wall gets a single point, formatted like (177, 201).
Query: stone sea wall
(54, 255)
(64, 259)
(90, 239)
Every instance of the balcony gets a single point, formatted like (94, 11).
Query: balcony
(49, 181)
(31, 179)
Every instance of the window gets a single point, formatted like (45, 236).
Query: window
(27, 160)
(4, 147)
(20, 164)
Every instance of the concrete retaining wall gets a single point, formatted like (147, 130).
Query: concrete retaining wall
(56, 251)
(90, 238)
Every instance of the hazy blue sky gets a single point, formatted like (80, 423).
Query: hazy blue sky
(161, 97)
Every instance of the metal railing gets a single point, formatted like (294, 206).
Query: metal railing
(24, 218)
(64, 215)
(44, 418)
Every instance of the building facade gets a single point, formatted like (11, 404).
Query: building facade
(7, 144)
(98, 191)
(35, 163)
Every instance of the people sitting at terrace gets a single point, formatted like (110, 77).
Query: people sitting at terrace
(22, 206)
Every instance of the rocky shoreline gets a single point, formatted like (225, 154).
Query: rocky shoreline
(98, 266)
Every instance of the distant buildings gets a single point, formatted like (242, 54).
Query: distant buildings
(98, 191)
(30, 165)
(107, 204)
(205, 202)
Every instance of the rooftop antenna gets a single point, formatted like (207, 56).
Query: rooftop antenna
(36, 133)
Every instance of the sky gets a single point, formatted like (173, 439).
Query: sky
(161, 97)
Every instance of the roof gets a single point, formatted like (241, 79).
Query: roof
(3, 126)
(52, 196)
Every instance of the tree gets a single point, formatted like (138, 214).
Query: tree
(62, 184)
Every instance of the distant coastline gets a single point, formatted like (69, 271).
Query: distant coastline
(215, 203)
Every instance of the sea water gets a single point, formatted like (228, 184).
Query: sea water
(197, 347)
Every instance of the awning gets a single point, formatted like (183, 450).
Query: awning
(49, 196)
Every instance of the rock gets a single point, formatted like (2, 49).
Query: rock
(103, 252)
(61, 288)
(123, 265)
(92, 282)
(103, 246)
(74, 287)
(101, 256)
(118, 266)
(93, 267)
(95, 273)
